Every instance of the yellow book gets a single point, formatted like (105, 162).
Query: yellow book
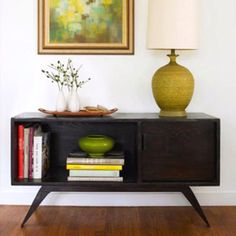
(93, 167)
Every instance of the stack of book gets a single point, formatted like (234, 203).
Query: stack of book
(33, 152)
(84, 168)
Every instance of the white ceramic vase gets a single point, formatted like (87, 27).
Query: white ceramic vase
(73, 103)
(61, 102)
(68, 98)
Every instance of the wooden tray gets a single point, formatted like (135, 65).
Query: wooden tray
(80, 113)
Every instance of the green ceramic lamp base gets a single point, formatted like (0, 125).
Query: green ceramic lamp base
(172, 113)
(172, 87)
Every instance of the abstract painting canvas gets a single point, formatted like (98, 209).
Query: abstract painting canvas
(86, 26)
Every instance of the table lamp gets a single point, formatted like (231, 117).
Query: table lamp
(173, 24)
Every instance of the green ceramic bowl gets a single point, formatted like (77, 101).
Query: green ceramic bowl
(96, 145)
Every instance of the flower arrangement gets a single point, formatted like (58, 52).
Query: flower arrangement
(65, 75)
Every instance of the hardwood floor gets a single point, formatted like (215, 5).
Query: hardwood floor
(121, 221)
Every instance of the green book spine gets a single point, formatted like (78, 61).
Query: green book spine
(97, 173)
(104, 179)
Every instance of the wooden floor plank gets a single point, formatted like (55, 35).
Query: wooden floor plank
(116, 221)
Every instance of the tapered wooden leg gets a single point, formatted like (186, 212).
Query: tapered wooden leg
(188, 193)
(42, 193)
(45, 190)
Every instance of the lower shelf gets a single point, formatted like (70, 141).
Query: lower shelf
(58, 176)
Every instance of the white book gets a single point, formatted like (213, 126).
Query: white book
(26, 152)
(90, 173)
(37, 157)
(103, 179)
(108, 160)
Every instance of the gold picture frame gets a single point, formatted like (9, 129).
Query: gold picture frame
(86, 27)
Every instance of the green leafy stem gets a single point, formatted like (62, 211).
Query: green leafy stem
(65, 75)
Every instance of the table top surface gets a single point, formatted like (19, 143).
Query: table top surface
(115, 116)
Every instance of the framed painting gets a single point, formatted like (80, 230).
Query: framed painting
(86, 26)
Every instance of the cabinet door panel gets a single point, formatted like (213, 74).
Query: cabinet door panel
(179, 151)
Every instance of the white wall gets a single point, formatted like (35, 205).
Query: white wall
(123, 82)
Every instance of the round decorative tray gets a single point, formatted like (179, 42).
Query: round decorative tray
(80, 113)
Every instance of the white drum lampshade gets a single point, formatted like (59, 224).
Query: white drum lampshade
(173, 24)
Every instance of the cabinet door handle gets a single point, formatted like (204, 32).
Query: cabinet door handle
(143, 142)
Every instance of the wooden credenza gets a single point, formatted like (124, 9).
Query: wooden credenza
(161, 154)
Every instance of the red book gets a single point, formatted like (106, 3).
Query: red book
(21, 152)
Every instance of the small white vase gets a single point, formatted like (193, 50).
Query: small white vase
(68, 97)
(73, 103)
(61, 102)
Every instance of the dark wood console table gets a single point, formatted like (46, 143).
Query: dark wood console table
(161, 154)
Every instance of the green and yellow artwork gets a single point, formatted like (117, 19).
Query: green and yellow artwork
(86, 27)
(86, 21)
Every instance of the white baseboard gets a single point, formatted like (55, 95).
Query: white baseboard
(117, 199)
